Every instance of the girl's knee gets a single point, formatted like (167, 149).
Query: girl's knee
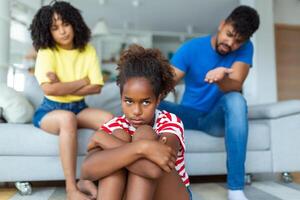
(144, 132)
(122, 135)
(67, 118)
(155, 173)
(63, 114)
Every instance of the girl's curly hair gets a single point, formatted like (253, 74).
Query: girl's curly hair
(138, 62)
(43, 19)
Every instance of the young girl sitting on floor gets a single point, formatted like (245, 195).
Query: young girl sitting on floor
(139, 155)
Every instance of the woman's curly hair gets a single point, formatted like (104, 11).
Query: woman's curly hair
(138, 62)
(43, 19)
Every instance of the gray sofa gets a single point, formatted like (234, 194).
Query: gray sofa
(29, 154)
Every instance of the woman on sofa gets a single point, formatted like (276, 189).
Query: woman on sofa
(67, 69)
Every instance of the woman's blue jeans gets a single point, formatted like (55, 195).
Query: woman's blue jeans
(228, 118)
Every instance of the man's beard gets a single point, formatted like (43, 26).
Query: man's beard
(222, 44)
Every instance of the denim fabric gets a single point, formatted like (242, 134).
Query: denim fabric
(190, 192)
(49, 105)
(228, 118)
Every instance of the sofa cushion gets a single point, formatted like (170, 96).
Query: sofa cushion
(216, 144)
(16, 108)
(25, 139)
(32, 90)
(109, 99)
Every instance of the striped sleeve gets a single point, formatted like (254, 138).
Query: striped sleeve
(170, 123)
(114, 124)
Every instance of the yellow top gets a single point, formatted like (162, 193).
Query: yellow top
(68, 65)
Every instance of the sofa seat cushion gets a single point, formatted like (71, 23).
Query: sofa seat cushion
(198, 141)
(26, 140)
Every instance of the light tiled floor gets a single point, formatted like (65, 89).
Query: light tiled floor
(296, 176)
(6, 193)
(205, 190)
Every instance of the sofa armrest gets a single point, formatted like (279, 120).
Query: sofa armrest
(274, 110)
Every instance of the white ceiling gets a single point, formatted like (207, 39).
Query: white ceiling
(154, 15)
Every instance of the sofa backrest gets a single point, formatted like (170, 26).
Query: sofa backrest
(109, 99)
(32, 90)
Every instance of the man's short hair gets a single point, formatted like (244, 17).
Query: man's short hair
(245, 21)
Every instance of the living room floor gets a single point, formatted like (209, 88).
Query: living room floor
(264, 187)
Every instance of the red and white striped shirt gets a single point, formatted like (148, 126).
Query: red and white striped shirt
(165, 122)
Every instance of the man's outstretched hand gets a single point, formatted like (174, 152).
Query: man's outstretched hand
(217, 74)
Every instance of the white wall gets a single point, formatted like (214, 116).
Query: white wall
(287, 12)
(4, 38)
(167, 45)
(261, 85)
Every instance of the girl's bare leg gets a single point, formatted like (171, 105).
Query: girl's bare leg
(64, 124)
(87, 187)
(112, 187)
(138, 187)
(170, 186)
(94, 119)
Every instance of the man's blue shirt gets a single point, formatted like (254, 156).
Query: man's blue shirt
(195, 58)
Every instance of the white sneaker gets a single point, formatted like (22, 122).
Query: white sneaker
(236, 195)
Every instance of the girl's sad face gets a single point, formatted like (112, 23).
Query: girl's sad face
(139, 102)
